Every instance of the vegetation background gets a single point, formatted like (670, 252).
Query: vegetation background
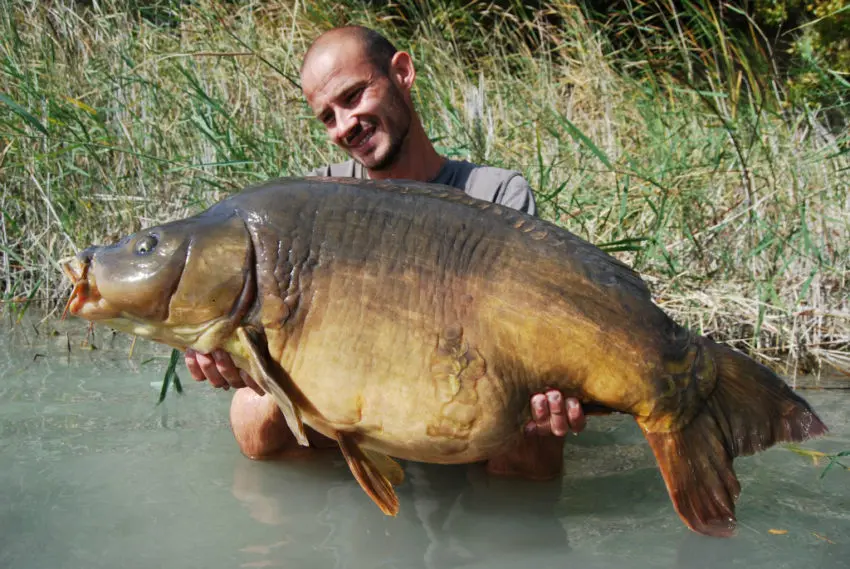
(703, 142)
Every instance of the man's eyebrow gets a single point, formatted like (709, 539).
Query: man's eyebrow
(341, 93)
(349, 87)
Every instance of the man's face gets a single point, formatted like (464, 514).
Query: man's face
(364, 112)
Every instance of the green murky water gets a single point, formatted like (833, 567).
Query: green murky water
(94, 474)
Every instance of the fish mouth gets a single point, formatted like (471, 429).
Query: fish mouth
(85, 299)
(77, 272)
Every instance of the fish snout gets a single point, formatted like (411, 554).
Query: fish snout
(77, 270)
(86, 256)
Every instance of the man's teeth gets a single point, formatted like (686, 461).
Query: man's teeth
(363, 138)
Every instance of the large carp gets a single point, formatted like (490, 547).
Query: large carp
(413, 321)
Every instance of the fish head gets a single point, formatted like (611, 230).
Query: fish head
(187, 283)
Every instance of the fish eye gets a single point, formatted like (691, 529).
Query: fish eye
(146, 244)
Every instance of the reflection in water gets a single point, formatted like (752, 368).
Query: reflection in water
(450, 515)
(94, 474)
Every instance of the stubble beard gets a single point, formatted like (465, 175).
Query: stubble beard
(396, 142)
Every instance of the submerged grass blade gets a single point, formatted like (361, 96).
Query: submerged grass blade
(171, 378)
(817, 456)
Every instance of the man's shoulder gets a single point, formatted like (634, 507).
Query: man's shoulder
(479, 174)
(489, 183)
(492, 183)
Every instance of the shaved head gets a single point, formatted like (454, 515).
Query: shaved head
(373, 46)
(358, 85)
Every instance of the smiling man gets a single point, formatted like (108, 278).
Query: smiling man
(359, 86)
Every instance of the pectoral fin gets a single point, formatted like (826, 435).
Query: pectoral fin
(263, 376)
(374, 472)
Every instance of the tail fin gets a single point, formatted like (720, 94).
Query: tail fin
(750, 409)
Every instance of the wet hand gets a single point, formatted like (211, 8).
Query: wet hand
(219, 369)
(554, 415)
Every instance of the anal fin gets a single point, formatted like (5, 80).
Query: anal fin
(373, 471)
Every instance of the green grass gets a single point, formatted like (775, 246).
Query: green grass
(833, 460)
(670, 141)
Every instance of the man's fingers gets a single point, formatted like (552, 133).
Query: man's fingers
(219, 369)
(552, 414)
(557, 413)
(227, 369)
(210, 371)
(192, 365)
(540, 413)
(575, 415)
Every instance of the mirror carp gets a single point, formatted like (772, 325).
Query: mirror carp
(409, 320)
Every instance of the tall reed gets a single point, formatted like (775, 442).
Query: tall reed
(669, 140)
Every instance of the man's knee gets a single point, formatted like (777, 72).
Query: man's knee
(258, 425)
(533, 458)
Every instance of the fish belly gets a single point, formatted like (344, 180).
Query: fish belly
(415, 392)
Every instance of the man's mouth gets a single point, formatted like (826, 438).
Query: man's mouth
(361, 137)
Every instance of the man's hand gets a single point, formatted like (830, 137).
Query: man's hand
(219, 369)
(551, 413)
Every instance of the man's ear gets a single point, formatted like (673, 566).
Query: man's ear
(402, 72)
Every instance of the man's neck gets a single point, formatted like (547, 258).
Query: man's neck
(418, 160)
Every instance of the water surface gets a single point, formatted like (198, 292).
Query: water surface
(95, 474)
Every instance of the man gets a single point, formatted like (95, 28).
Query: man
(359, 86)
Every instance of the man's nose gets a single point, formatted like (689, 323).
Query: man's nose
(345, 124)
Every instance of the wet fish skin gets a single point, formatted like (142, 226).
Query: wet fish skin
(413, 321)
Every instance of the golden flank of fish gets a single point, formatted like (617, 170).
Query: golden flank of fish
(411, 321)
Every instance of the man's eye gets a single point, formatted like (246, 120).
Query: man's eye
(327, 119)
(354, 96)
